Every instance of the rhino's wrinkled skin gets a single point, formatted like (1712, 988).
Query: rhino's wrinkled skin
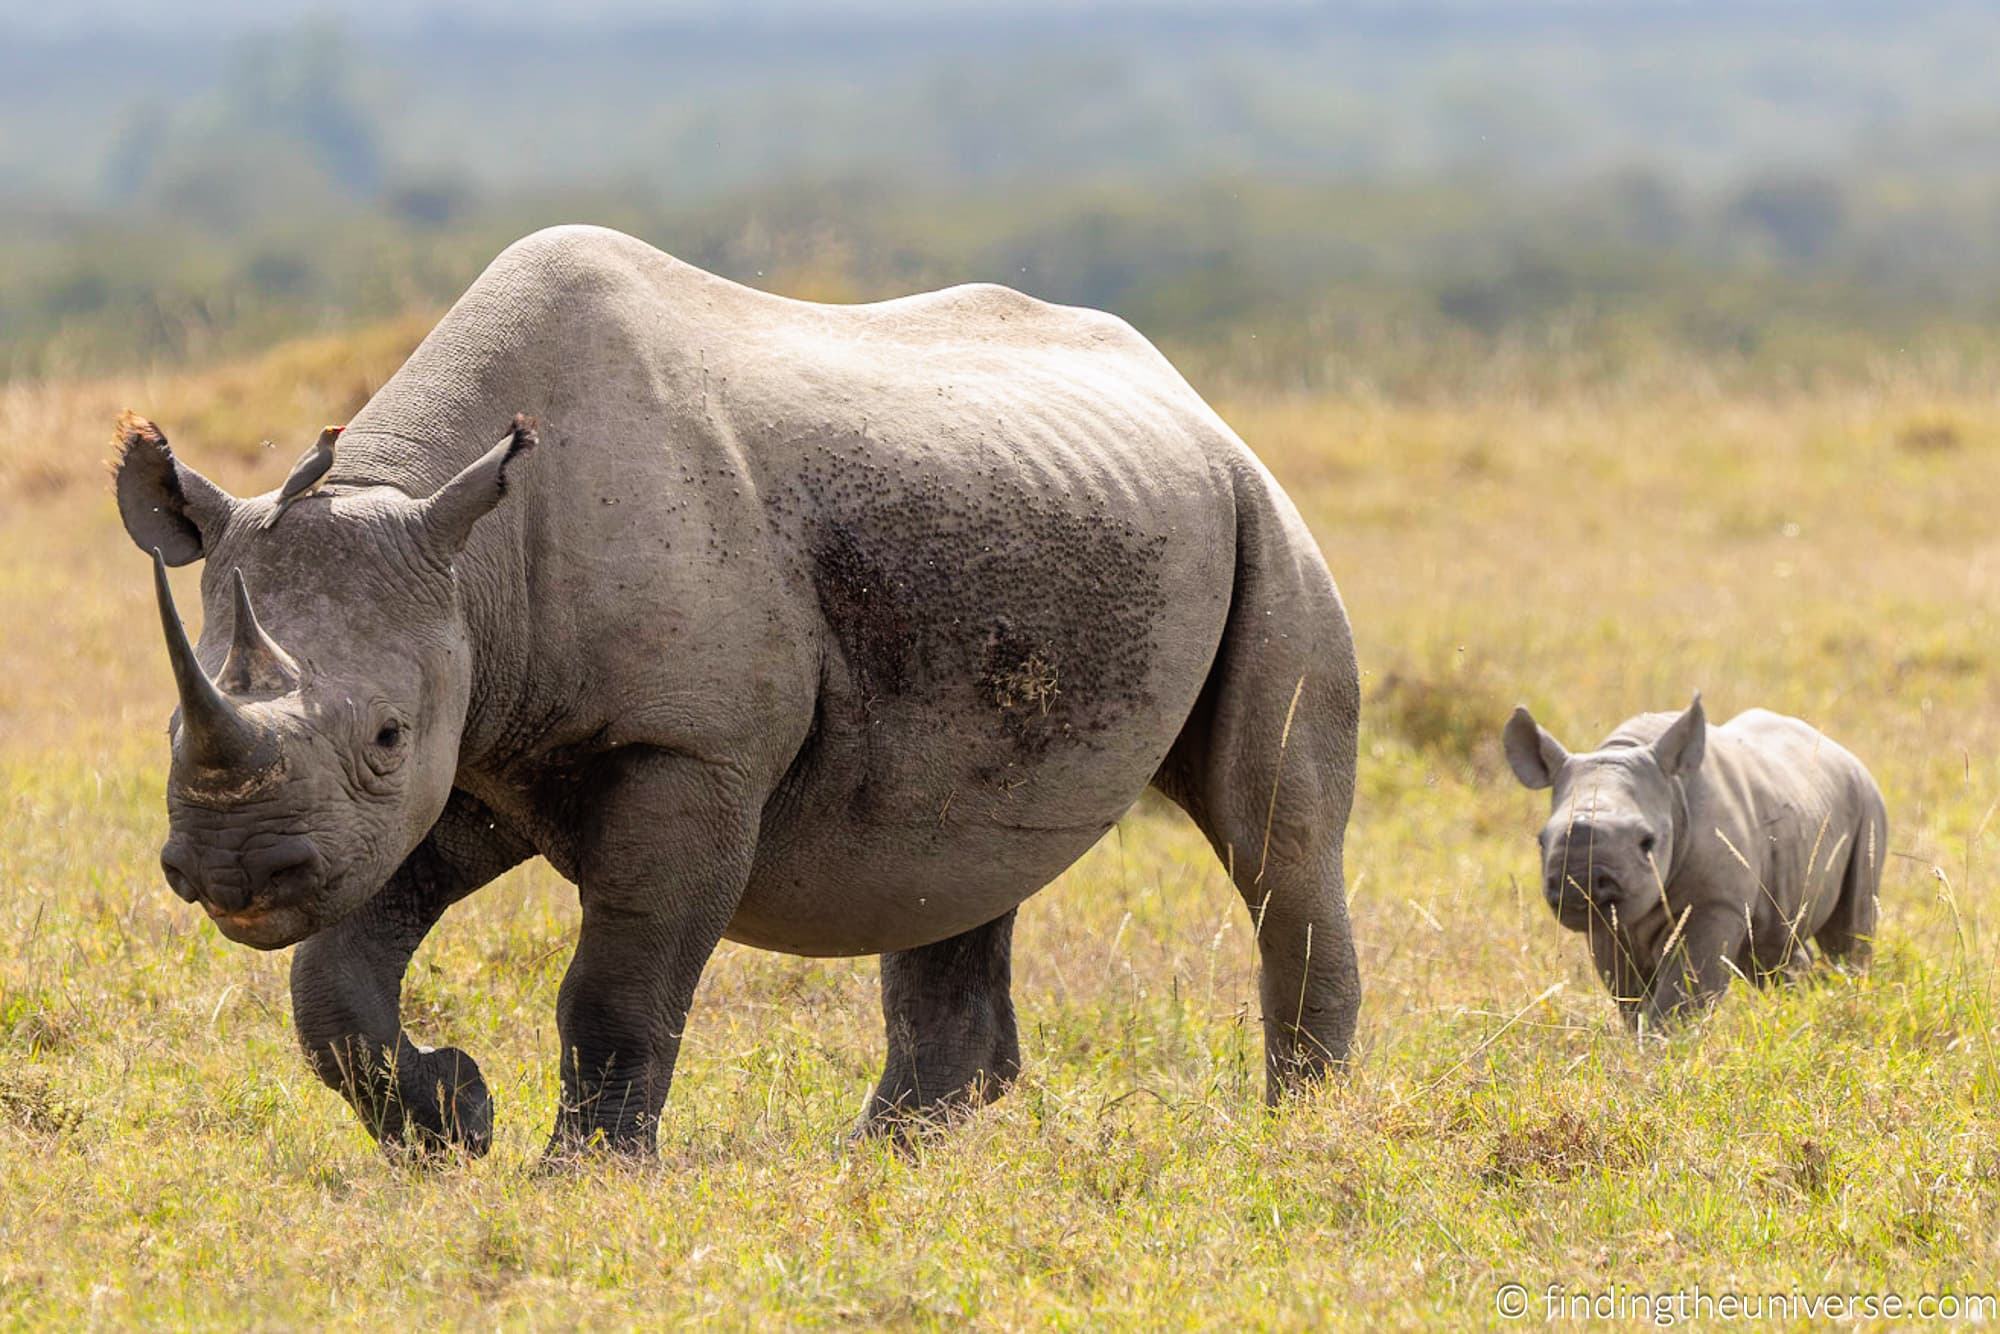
(831, 630)
(1689, 854)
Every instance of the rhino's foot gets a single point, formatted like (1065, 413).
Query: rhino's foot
(1663, 1017)
(1295, 1064)
(441, 1107)
(573, 1147)
(613, 1120)
(899, 1109)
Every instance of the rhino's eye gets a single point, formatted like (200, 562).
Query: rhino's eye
(389, 749)
(1646, 844)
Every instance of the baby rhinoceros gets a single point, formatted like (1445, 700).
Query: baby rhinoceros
(1688, 853)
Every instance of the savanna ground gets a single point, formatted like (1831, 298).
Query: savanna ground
(165, 1155)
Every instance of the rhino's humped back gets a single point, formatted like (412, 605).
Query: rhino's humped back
(1788, 770)
(579, 326)
(1779, 805)
(583, 323)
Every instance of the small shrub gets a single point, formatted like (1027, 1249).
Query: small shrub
(1933, 435)
(1558, 1147)
(1811, 1167)
(1454, 714)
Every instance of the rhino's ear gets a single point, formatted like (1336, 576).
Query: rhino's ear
(1681, 746)
(449, 514)
(1533, 755)
(167, 506)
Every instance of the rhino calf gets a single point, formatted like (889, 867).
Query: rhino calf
(1689, 853)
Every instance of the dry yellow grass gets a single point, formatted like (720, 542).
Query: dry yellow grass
(164, 1154)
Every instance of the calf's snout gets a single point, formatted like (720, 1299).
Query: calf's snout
(1584, 871)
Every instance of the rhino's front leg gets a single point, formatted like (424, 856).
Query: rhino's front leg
(347, 983)
(1697, 969)
(664, 866)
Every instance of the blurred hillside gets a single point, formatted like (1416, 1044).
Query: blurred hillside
(1390, 197)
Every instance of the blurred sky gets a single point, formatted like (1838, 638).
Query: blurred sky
(85, 16)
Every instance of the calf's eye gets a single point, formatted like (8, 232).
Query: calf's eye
(1646, 844)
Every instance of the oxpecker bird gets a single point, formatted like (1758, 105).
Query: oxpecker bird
(306, 474)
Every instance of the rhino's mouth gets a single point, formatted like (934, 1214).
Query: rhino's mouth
(1575, 908)
(1574, 911)
(263, 926)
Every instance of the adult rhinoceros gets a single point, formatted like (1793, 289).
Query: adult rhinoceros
(827, 629)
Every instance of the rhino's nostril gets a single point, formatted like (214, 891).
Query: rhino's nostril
(283, 870)
(178, 879)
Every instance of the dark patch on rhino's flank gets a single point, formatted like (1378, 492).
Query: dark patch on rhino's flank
(863, 604)
(978, 598)
(1021, 679)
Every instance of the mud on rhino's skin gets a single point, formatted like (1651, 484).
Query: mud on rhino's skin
(828, 629)
(1688, 854)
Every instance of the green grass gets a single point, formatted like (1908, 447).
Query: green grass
(165, 1156)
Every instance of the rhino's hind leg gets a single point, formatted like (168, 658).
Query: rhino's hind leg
(1308, 980)
(1265, 767)
(949, 1012)
(1848, 937)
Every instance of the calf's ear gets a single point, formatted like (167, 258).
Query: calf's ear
(1681, 746)
(1534, 755)
(167, 506)
(450, 512)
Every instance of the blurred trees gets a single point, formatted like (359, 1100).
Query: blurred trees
(1298, 284)
(286, 132)
(1301, 196)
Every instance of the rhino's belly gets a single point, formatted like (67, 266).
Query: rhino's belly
(907, 825)
(867, 889)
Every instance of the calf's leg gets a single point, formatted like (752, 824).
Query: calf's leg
(1696, 969)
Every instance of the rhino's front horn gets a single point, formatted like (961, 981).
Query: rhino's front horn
(215, 731)
(255, 665)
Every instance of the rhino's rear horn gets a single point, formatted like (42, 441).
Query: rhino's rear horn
(255, 665)
(213, 728)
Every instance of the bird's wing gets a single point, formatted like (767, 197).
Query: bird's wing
(312, 466)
